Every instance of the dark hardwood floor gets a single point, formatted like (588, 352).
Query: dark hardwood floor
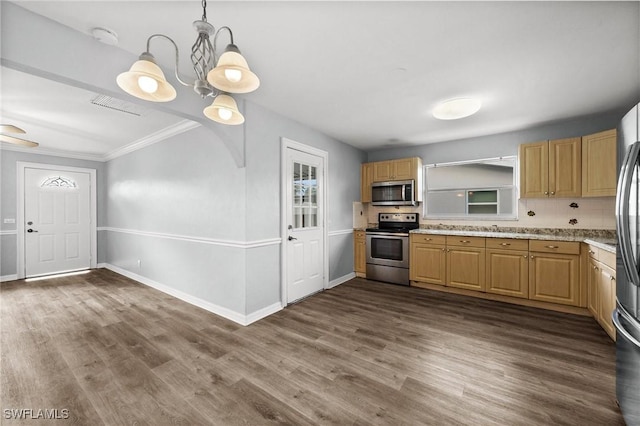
(112, 351)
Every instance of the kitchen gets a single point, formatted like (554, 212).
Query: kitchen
(256, 289)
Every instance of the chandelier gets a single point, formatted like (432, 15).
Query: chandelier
(216, 77)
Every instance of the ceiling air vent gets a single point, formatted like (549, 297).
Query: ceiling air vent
(117, 105)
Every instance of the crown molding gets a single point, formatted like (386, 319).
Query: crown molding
(160, 135)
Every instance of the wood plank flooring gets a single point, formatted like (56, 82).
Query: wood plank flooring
(112, 351)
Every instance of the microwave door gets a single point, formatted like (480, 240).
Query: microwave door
(627, 223)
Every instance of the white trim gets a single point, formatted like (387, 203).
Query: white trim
(93, 213)
(9, 232)
(4, 278)
(341, 232)
(341, 280)
(53, 152)
(196, 301)
(193, 239)
(159, 136)
(285, 144)
(176, 129)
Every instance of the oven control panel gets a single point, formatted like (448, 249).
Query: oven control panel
(398, 217)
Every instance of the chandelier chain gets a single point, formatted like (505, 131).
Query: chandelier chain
(204, 10)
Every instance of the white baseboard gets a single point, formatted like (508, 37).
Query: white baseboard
(196, 301)
(340, 280)
(4, 278)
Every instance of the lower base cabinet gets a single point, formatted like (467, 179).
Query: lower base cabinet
(508, 273)
(554, 272)
(428, 263)
(601, 287)
(360, 253)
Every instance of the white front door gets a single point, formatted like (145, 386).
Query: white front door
(57, 224)
(305, 233)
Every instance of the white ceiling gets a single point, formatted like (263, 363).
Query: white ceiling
(369, 73)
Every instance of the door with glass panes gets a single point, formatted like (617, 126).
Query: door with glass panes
(305, 224)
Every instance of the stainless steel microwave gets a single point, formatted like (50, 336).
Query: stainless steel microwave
(393, 193)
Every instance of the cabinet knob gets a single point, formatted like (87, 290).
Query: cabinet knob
(546, 192)
(592, 252)
(595, 268)
(553, 193)
(443, 250)
(531, 257)
(551, 247)
(524, 255)
(505, 244)
(465, 241)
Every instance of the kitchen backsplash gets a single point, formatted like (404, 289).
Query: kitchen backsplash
(578, 213)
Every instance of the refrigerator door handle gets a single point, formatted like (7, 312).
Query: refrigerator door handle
(617, 313)
(622, 212)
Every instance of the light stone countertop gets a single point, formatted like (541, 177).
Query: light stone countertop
(602, 243)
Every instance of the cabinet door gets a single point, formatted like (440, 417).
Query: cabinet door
(359, 253)
(366, 178)
(593, 277)
(382, 171)
(466, 268)
(606, 299)
(555, 278)
(404, 169)
(534, 170)
(508, 273)
(427, 263)
(599, 164)
(565, 168)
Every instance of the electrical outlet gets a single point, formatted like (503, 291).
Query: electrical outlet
(139, 263)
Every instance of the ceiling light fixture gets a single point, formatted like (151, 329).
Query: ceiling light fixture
(231, 74)
(10, 128)
(454, 109)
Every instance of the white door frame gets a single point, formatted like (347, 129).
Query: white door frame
(286, 144)
(20, 228)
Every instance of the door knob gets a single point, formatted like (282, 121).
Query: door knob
(291, 238)
(31, 230)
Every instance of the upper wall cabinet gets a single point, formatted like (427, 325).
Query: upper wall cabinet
(402, 169)
(382, 171)
(599, 164)
(551, 169)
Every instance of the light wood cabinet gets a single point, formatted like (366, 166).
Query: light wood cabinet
(606, 298)
(366, 178)
(466, 263)
(599, 164)
(360, 253)
(401, 169)
(554, 272)
(428, 259)
(601, 287)
(551, 169)
(508, 267)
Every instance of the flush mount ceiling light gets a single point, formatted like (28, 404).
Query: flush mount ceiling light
(10, 128)
(454, 109)
(231, 74)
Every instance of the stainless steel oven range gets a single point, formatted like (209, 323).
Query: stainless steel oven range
(388, 247)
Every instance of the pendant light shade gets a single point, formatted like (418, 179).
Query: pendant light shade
(224, 110)
(145, 80)
(232, 73)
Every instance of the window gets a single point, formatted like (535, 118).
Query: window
(479, 190)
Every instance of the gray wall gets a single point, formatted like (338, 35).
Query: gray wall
(501, 144)
(8, 200)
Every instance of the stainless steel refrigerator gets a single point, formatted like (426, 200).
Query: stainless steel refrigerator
(626, 316)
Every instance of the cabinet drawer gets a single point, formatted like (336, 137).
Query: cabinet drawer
(428, 239)
(565, 247)
(608, 258)
(507, 244)
(359, 235)
(593, 252)
(462, 241)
